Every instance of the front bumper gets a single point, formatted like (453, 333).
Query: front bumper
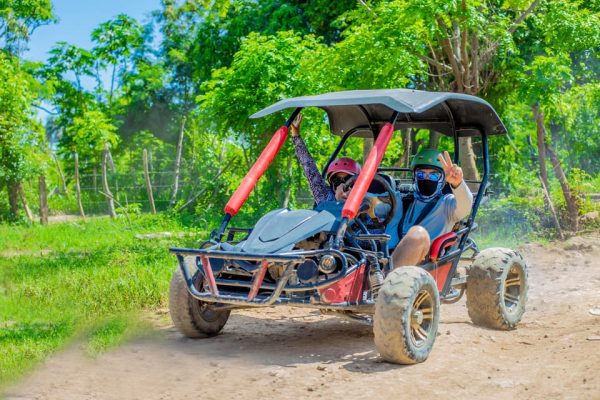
(256, 292)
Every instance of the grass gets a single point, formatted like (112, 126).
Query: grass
(84, 280)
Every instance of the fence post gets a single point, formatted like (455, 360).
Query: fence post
(78, 186)
(148, 183)
(178, 161)
(109, 196)
(43, 200)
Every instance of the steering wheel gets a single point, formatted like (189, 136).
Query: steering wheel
(371, 201)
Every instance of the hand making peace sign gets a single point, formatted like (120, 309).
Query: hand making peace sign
(453, 172)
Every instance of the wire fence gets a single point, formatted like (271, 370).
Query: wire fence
(128, 189)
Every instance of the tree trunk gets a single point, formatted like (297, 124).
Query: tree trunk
(415, 144)
(434, 140)
(407, 145)
(468, 159)
(13, 197)
(43, 200)
(541, 142)
(24, 202)
(178, 162)
(148, 183)
(571, 199)
(548, 201)
(109, 196)
(78, 187)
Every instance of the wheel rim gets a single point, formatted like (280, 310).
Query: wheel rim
(421, 318)
(206, 310)
(513, 288)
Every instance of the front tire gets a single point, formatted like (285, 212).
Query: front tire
(406, 316)
(192, 317)
(497, 288)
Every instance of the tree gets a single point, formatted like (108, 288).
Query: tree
(440, 45)
(264, 70)
(89, 132)
(116, 41)
(18, 20)
(549, 81)
(21, 141)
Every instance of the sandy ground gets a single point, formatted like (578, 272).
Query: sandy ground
(285, 353)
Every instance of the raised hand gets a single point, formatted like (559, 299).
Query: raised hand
(296, 125)
(453, 172)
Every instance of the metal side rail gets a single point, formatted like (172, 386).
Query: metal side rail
(253, 298)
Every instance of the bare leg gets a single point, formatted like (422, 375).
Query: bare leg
(413, 247)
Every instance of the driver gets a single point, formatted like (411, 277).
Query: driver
(338, 172)
(432, 213)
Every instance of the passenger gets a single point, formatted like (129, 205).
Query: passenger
(338, 172)
(432, 213)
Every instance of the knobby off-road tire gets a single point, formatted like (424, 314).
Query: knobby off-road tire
(406, 316)
(192, 317)
(497, 289)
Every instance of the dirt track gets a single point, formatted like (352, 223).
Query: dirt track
(285, 353)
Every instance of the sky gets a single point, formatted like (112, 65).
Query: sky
(77, 19)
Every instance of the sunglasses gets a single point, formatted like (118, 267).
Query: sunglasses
(432, 175)
(337, 181)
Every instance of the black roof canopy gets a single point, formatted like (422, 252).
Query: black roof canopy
(368, 110)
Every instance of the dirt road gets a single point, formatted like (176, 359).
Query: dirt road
(285, 353)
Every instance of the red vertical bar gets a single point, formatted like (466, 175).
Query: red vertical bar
(368, 172)
(258, 280)
(258, 169)
(208, 272)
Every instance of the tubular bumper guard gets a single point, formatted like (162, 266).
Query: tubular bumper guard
(253, 298)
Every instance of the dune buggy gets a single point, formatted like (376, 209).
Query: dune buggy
(325, 258)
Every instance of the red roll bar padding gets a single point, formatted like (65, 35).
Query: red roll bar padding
(258, 169)
(368, 172)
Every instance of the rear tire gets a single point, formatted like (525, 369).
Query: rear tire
(406, 316)
(192, 317)
(497, 289)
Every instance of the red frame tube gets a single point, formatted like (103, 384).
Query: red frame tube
(210, 277)
(368, 172)
(258, 280)
(258, 169)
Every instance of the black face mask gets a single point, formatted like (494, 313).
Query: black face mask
(426, 187)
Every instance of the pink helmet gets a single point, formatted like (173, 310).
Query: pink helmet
(344, 164)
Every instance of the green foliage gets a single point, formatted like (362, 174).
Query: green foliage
(117, 39)
(379, 50)
(19, 18)
(217, 62)
(21, 143)
(89, 132)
